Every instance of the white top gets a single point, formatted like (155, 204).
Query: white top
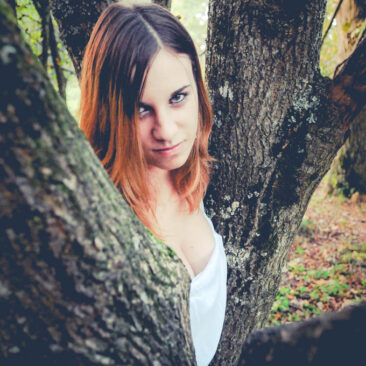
(207, 303)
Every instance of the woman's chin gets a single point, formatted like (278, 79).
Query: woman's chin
(168, 165)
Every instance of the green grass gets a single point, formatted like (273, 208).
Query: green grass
(312, 291)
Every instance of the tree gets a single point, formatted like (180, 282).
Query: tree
(348, 172)
(82, 282)
(34, 18)
(165, 3)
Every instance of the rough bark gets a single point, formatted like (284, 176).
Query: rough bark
(81, 280)
(278, 125)
(348, 172)
(94, 288)
(335, 339)
(75, 19)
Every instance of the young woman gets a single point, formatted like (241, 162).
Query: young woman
(145, 111)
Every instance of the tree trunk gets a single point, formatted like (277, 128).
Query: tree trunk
(81, 281)
(76, 19)
(276, 132)
(348, 172)
(166, 3)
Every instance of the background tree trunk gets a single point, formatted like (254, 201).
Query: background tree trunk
(75, 19)
(81, 281)
(166, 3)
(348, 172)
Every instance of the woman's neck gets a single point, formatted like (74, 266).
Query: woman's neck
(165, 195)
(162, 186)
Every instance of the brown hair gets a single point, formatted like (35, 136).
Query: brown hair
(116, 60)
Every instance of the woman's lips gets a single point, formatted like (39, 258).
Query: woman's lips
(168, 150)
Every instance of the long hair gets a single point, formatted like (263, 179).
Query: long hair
(117, 58)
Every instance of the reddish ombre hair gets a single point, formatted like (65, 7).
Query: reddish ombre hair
(117, 58)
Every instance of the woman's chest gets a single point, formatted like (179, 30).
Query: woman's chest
(192, 238)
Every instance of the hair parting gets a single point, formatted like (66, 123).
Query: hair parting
(120, 50)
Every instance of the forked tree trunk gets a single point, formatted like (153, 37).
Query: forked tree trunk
(81, 281)
(275, 135)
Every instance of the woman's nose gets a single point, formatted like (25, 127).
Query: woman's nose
(164, 127)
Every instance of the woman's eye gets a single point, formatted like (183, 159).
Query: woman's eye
(178, 98)
(143, 111)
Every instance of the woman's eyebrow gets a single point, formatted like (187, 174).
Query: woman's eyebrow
(179, 90)
(142, 104)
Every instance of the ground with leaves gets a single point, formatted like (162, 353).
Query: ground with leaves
(327, 263)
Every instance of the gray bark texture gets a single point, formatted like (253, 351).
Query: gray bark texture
(75, 19)
(81, 281)
(278, 125)
(348, 172)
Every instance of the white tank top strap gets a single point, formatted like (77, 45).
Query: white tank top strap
(208, 302)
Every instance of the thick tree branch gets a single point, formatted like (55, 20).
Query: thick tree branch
(335, 339)
(75, 288)
(348, 88)
(76, 19)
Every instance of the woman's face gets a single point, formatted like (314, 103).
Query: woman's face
(168, 111)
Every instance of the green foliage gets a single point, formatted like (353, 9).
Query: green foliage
(297, 269)
(307, 228)
(282, 302)
(328, 54)
(322, 273)
(73, 95)
(30, 24)
(328, 61)
(338, 268)
(316, 290)
(193, 15)
(353, 257)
